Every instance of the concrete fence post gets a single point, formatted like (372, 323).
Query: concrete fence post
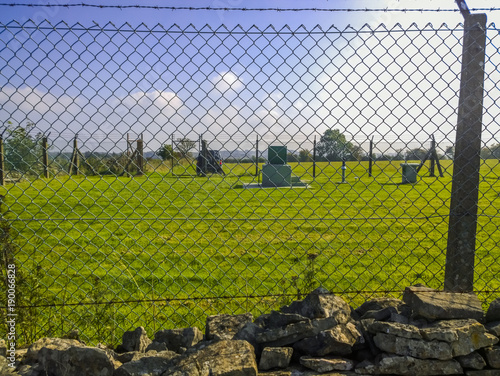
(460, 255)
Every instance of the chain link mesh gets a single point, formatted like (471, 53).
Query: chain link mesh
(118, 228)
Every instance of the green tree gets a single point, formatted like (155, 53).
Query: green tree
(449, 152)
(333, 146)
(305, 155)
(166, 152)
(417, 154)
(291, 157)
(491, 152)
(184, 146)
(22, 149)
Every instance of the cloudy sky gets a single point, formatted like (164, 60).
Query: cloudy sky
(282, 76)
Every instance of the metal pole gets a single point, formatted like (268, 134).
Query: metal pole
(459, 269)
(2, 162)
(172, 143)
(204, 159)
(343, 170)
(75, 158)
(432, 154)
(140, 157)
(370, 158)
(256, 155)
(314, 158)
(45, 157)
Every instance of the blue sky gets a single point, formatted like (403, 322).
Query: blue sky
(247, 18)
(231, 87)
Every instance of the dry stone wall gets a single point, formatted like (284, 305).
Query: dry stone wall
(427, 333)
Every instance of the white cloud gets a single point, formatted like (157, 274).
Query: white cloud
(227, 81)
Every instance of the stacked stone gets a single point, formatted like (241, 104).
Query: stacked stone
(427, 333)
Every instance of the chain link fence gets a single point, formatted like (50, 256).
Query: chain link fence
(135, 160)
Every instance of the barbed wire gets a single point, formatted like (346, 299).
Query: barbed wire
(160, 7)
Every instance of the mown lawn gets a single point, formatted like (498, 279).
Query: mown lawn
(169, 249)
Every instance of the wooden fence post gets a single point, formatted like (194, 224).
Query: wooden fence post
(460, 255)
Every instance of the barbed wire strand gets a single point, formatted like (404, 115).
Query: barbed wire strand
(160, 7)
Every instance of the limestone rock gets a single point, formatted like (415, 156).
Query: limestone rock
(278, 319)
(415, 348)
(493, 356)
(439, 334)
(52, 343)
(472, 361)
(5, 369)
(280, 373)
(471, 336)
(130, 356)
(382, 309)
(406, 365)
(221, 327)
(439, 305)
(135, 340)
(75, 360)
(223, 358)
(295, 332)
(287, 335)
(377, 304)
(338, 341)
(319, 304)
(395, 329)
(27, 370)
(179, 339)
(484, 372)
(493, 328)
(327, 364)
(147, 365)
(157, 346)
(493, 313)
(249, 333)
(275, 357)
(381, 315)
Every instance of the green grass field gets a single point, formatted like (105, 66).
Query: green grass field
(168, 250)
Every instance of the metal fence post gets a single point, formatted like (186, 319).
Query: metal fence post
(204, 159)
(2, 163)
(75, 158)
(370, 158)
(140, 157)
(459, 270)
(45, 157)
(314, 158)
(256, 155)
(433, 161)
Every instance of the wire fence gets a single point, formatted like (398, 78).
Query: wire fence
(155, 176)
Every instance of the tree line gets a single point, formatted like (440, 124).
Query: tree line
(23, 151)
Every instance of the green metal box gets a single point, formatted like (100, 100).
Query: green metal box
(277, 155)
(409, 172)
(276, 175)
